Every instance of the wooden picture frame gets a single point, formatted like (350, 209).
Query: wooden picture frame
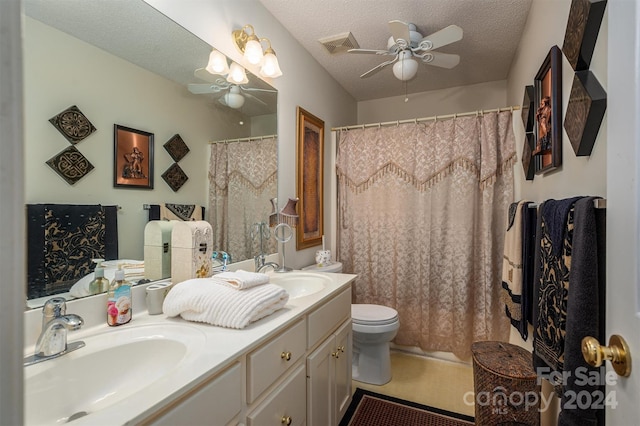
(132, 158)
(547, 150)
(310, 179)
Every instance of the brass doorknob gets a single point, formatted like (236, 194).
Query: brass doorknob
(617, 352)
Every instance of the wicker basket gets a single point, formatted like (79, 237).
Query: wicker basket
(506, 386)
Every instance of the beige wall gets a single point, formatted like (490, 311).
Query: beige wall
(436, 102)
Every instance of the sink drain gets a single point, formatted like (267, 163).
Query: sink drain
(76, 416)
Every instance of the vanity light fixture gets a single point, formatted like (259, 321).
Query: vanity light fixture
(270, 66)
(237, 74)
(250, 45)
(217, 63)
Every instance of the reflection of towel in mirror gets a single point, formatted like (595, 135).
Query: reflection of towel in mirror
(243, 279)
(170, 211)
(211, 301)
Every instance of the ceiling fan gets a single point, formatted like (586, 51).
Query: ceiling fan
(233, 94)
(406, 43)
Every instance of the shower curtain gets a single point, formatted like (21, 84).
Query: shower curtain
(422, 216)
(242, 181)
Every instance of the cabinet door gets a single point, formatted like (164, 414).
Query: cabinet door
(320, 403)
(218, 401)
(343, 370)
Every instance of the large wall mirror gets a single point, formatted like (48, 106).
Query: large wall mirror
(90, 65)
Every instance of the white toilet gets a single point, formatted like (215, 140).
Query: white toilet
(374, 326)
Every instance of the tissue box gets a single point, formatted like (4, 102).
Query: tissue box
(191, 250)
(157, 249)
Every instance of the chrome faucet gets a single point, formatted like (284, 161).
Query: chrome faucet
(264, 266)
(222, 258)
(52, 341)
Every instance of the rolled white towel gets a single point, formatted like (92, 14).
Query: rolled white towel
(212, 301)
(241, 279)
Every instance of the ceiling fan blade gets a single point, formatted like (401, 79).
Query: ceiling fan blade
(205, 75)
(378, 68)
(256, 89)
(260, 101)
(445, 36)
(442, 60)
(199, 89)
(371, 51)
(400, 30)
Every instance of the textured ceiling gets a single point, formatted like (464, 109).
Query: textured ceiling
(492, 30)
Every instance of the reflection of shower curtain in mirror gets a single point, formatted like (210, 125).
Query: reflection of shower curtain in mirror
(422, 215)
(242, 180)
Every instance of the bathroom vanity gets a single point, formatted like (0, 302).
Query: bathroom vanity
(292, 367)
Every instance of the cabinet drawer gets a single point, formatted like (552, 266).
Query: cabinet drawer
(219, 399)
(267, 363)
(288, 401)
(328, 317)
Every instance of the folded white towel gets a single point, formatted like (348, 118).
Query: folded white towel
(210, 300)
(243, 279)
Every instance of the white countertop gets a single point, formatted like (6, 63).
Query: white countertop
(222, 347)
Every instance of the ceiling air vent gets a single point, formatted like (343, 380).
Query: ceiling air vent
(340, 43)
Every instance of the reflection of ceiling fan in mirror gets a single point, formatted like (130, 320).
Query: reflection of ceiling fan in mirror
(233, 95)
(406, 44)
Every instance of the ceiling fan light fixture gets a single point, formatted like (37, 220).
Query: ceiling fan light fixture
(270, 66)
(237, 74)
(217, 63)
(233, 98)
(405, 69)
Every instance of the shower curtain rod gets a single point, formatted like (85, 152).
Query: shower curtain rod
(434, 118)
(249, 139)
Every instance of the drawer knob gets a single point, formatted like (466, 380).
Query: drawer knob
(286, 420)
(341, 348)
(287, 357)
(335, 354)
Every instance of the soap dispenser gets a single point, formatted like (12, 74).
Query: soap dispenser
(119, 300)
(99, 284)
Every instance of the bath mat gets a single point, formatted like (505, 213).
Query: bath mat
(374, 409)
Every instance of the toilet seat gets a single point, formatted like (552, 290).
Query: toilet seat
(373, 315)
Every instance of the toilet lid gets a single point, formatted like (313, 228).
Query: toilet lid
(373, 314)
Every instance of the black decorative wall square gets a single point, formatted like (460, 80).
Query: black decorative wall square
(527, 109)
(73, 124)
(175, 177)
(176, 148)
(70, 164)
(583, 26)
(587, 105)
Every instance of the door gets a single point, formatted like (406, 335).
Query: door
(320, 384)
(623, 197)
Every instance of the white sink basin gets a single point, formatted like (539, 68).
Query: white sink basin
(112, 366)
(301, 284)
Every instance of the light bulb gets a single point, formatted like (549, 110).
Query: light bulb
(217, 63)
(253, 50)
(270, 66)
(237, 74)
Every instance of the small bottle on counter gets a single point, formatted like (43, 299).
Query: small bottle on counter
(119, 300)
(99, 284)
